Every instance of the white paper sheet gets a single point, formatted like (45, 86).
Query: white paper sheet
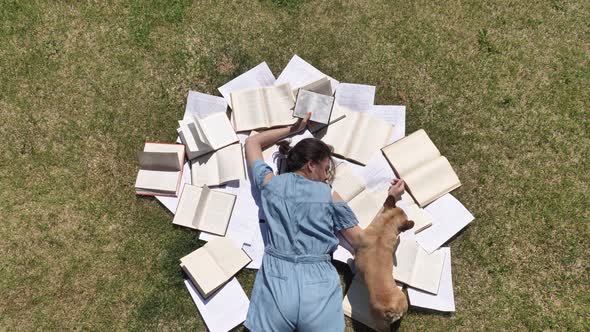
(445, 299)
(395, 115)
(449, 216)
(224, 309)
(172, 202)
(201, 104)
(256, 248)
(259, 76)
(377, 174)
(355, 97)
(299, 73)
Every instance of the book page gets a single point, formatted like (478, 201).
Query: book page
(427, 270)
(217, 211)
(449, 216)
(200, 105)
(279, 102)
(227, 255)
(159, 161)
(319, 105)
(405, 258)
(206, 170)
(410, 152)
(186, 212)
(366, 205)
(206, 280)
(259, 76)
(321, 86)
(249, 109)
(355, 97)
(356, 302)
(299, 73)
(166, 147)
(225, 309)
(370, 135)
(445, 299)
(188, 134)
(157, 182)
(394, 115)
(377, 174)
(170, 202)
(218, 130)
(230, 163)
(338, 134)
(346, 183)
(432, 180)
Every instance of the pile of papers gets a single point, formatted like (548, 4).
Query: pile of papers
(203, 180)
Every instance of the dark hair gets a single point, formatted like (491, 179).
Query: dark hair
(294, 158)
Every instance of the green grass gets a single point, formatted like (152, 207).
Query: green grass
(501, 87)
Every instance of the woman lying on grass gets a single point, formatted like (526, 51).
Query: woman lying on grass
(297, 288)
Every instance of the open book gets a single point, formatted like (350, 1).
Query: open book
(214, 264)
(415, 267)
(416, 160)
(221, 166)
(357, 136)
(262, 107)
(204, 209)
(444, 300)
(321, 86)
(203, 135)
(318, 104)
(364, 203)
(356, 302)
(422, 218)
(160, 169)
(299, 73)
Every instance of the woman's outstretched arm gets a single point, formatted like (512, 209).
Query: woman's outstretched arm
(255, 144)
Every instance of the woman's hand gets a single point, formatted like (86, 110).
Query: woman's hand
(300, 125)
(396, 189)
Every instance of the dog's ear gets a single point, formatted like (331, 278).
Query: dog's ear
(389, 202)
(405, 225)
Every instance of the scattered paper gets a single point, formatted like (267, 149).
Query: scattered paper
(449, 216)
(258, 76)
(224, 309)
(445, 299)
(256, 248)
(299, 73)
(395, 115)
(201, 104)
(355, 97)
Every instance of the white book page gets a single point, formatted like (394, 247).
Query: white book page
(427, 270)
(370, 135)
(249, 110)
(319, 105)
(394, 115)
(355, 97)
(157, 181)
(166, 147)
(230, 162)
(321, 86)
(299, 73)
(356, 302)
(201, 104)
(279, 102)
(225, 309)
(256, 248)
(339, 135)
(207, 279)
(171, 203)
(377, 174)
(206, 170)
(216, 212)
(449, 216)
(422, 219)
(410, 152)
(194, 145)
(228, 255)
(159, 161)
(405, 258)
(187, 207)
(218, 130)
(259, 76)
(346, 183)
(366, 205)
(432, 180)
(445, 299)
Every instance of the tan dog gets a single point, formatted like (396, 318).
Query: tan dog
(374, 259)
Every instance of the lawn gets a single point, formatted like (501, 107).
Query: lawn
(502, 87)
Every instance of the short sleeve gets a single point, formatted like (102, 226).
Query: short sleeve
(260, 170)
(343, 216)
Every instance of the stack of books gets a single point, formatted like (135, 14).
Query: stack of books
(204, 182)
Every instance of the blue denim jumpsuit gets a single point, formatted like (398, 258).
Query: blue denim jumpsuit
(297, 288)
